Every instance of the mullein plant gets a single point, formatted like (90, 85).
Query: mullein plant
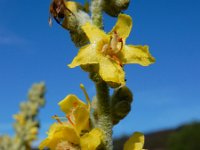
(88, 126)
(26, 124)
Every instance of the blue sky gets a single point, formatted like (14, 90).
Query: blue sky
(165, 94)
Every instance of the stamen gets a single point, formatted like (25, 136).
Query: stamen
(113, 48)
(121, 41)
(110, 40)
(69, 119)
(113, 43)
(85, 93)
(105, 48)
(57, 119)
(114, 57)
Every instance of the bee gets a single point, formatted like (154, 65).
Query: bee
(58, 11)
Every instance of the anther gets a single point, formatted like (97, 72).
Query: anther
(121, 41)
(57, 119)
(69, 119)
(85, 93)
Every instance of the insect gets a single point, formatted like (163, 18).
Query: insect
(58, 11)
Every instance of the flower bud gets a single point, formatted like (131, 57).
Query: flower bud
(121, 94)
(121, 103)
(72, 17)
(113, 84)
(90, 68)
(120, 110)
(114, 7)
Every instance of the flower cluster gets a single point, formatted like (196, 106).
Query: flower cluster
(77, 133)
(26, 125)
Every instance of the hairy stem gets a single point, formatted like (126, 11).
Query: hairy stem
(96, 9)
(103, 99)
(104, 114)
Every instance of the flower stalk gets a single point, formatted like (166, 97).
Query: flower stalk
(104, 113)
(96, 9)
(102, 89)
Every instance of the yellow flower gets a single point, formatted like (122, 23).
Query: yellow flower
(91, 140)
(110, 52)
(74, 134)
(59, 133)
(20, 118)
(65, 133)
(77, 112)
(135, 142)
(75, 6)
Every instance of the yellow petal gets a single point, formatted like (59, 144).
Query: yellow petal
(86, 55)
(137, 55)
(72, 6)
(69, 102)
(93, 33)
(135, 142)
(75, 6)
(81, 119)
(123, 26)
(47, 143)
(110, 71)
(58, 133)
(91, 140)
(67, 133)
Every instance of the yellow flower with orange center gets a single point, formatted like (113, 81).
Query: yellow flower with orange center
(110, 52)
(76, 133)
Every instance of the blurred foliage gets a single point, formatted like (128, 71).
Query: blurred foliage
(187, 137)
(26, 125)
(119, 142)
(158, 140)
